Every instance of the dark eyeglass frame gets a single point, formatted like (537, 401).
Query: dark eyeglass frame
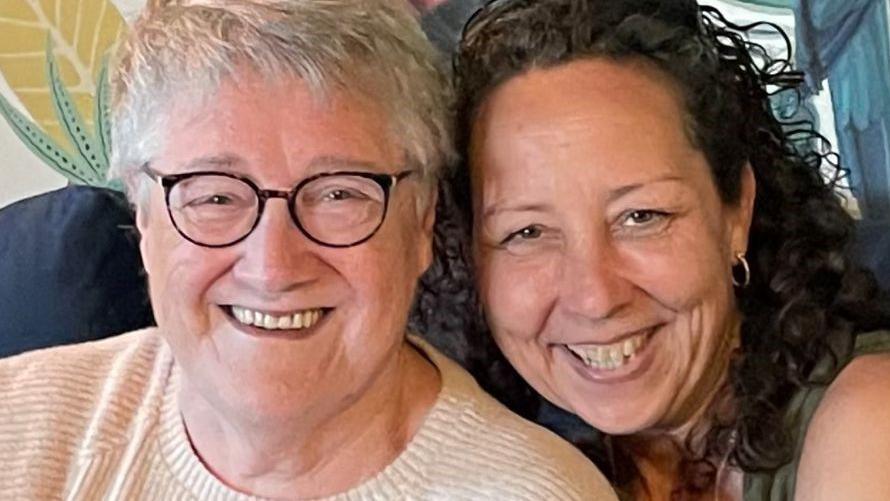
(387, 182)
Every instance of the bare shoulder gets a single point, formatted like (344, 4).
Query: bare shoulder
(846, 452)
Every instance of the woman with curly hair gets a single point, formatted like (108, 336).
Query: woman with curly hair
(656, 254)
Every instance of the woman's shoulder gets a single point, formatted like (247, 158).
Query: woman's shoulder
(863, 384)
(68, 401)
(847, 443)
(66, 369)
(498, 451)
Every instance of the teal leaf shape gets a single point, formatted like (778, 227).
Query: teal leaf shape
(75, 170)
(69, 118)
(88, 164)
(102, 113)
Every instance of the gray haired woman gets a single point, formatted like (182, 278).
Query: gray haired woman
(282, 158)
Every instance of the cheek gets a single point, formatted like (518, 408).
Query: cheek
(686, 269)
(383, 276)
(688, 276)
(517, 294)
(404, 243)
(180, 274)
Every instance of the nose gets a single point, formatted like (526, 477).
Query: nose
(593, 285)
(276, 256)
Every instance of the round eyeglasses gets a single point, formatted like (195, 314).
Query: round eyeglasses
(334, 209)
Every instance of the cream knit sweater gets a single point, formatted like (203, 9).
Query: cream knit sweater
(100, 421)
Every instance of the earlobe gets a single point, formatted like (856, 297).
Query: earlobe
(144, 252)
(142, 227)
(141, 219)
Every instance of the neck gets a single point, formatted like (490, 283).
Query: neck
(309, 457)
(659, 458)
(658, 454)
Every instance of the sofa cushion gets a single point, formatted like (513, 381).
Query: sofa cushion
(70, 270)
(872, 248)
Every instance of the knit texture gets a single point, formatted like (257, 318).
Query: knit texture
(100, 420)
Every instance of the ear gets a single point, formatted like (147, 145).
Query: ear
(428, 224)
(743, 213)
(143, 208)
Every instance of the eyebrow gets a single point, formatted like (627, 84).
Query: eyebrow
(613, 195)
(501, 208)
(225, 161)
(622, 191)
(324, 162)
(229, 161)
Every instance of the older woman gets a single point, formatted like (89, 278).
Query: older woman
(657, 256)
(282, 158)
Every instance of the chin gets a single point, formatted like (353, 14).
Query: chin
(617, 424)
(625, 418)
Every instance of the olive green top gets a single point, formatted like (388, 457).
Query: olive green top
(779, 484)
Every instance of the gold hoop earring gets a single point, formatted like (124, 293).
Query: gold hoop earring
(740, 260)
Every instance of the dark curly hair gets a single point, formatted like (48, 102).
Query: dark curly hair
(806, 300)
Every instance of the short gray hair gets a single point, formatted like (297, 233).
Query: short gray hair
(374, 47)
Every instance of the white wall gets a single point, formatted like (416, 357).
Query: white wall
(129, 9)
(22, 174)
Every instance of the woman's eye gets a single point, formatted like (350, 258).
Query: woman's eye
(339, 195)
(530, 232)
(638, 217)
(211, 200)
(643, 217)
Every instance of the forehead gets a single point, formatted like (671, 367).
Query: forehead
(622, 120)
(281, 122)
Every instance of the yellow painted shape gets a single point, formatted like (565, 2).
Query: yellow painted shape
(81, 30)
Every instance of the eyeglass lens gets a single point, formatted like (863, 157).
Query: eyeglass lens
(336, 210)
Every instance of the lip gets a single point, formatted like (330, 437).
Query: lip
(289, 334)
(617, 339)
(276, 312)
(638, 364)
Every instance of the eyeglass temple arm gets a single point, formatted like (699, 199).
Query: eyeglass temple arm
(151, 173)
(402, 175)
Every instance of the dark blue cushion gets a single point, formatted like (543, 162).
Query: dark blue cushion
(70, 270)
(872, 248)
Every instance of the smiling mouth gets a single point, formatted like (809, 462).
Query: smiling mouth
(609, 357)
(294, 320)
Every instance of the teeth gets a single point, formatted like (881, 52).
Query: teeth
(269, 322)
(285, 322)
(609, 357)
(628, 348)
(616, 355)
(297, 320)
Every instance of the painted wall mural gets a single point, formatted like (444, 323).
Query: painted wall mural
(52, 56)
(79, 31)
